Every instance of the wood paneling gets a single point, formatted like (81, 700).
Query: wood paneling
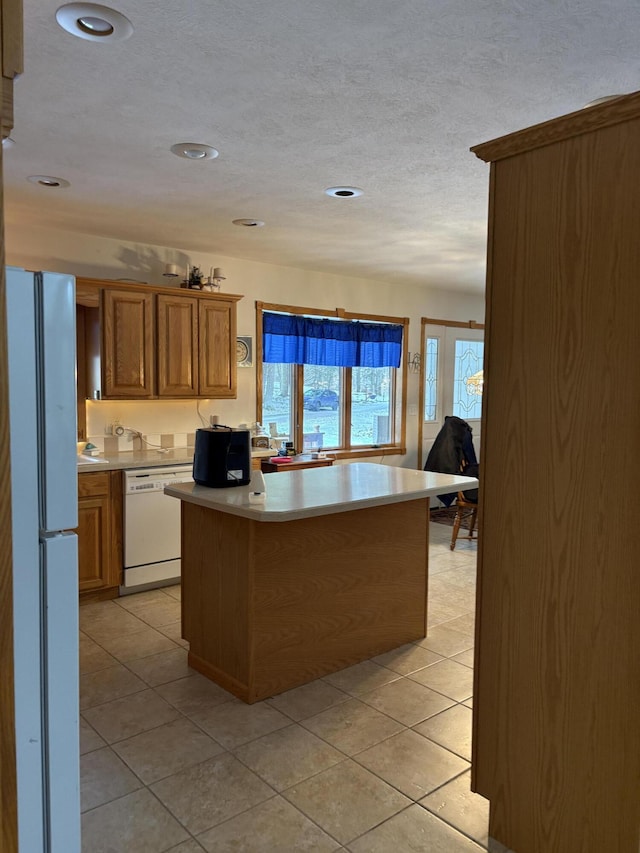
(217, 565)
(10, 64)
(217, 349)
(128, 339)
(268, 606)
(556, 724)
(177, 346)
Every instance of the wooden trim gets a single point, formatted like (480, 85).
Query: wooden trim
(340, 313)
(116, 499)
(405, 375)
(382, 450)
(609, 113)
(298, 431)
(377, 318)
(89, 596)
(85, 286)
(257, 354)
(8, 784)
(81, 373)
(214, 673)
(457, 324)
(477, 705)
(11, 26)
(423, 334)
(6, 99)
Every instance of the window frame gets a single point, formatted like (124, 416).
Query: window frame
(397, 447)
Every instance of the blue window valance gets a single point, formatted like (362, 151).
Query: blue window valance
(292, 339)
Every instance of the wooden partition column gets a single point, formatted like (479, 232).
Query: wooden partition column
(556, 745)
(10, 65)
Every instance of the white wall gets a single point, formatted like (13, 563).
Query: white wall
(100, 257)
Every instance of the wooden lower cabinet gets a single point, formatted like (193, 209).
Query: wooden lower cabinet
(99, 534)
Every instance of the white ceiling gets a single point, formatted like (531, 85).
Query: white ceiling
(300, 95)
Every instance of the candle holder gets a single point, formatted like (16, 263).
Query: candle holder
(194, 279)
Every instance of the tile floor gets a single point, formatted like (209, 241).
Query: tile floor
(373, 758)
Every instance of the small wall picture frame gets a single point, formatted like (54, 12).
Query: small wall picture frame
(244, 351)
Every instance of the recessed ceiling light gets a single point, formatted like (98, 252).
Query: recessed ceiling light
(194, 151)
(48, 181)
(249, 223)
(344, 192)
(8, 142)
(93, 22)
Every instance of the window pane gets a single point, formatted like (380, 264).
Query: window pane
(371, 406)
(467, 398)
(277, 396)
(322, 404)
(431, 379)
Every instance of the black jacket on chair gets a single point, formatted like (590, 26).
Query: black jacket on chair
(453, 447)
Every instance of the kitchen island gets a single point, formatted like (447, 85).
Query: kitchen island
(329, 570)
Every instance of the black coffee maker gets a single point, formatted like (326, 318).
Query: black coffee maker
(222, 457)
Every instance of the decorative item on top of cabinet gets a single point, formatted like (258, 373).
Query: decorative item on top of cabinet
(99, 534)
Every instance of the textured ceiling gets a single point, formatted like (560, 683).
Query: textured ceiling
(386, 95)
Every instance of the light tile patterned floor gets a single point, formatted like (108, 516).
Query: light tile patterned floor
(373, 758)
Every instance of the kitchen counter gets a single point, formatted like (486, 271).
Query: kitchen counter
(330, 570)
(323, 491)
(146, 459)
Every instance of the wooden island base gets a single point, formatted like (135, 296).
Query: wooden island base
(267, 606)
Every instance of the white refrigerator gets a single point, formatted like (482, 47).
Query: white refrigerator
(43, 434)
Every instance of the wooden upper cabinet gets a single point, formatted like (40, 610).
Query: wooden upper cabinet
(217, 345)
(153, 342)
(128, 349)
(177, 346)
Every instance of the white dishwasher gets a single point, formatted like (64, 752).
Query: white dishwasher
(151, 527)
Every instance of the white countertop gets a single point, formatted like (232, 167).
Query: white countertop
(323, 491)
(146, 459)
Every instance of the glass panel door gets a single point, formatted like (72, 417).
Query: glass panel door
(453, 380)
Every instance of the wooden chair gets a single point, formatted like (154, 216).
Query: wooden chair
(466, 505)
(464, 509)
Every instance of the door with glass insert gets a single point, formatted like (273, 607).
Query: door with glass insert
(452, 379)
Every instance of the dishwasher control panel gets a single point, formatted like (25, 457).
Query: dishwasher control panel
(137, 480)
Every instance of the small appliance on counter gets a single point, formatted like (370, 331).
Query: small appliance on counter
(222, 457)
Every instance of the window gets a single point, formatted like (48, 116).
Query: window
(351, 409)
(467, 397)
(431, 379)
